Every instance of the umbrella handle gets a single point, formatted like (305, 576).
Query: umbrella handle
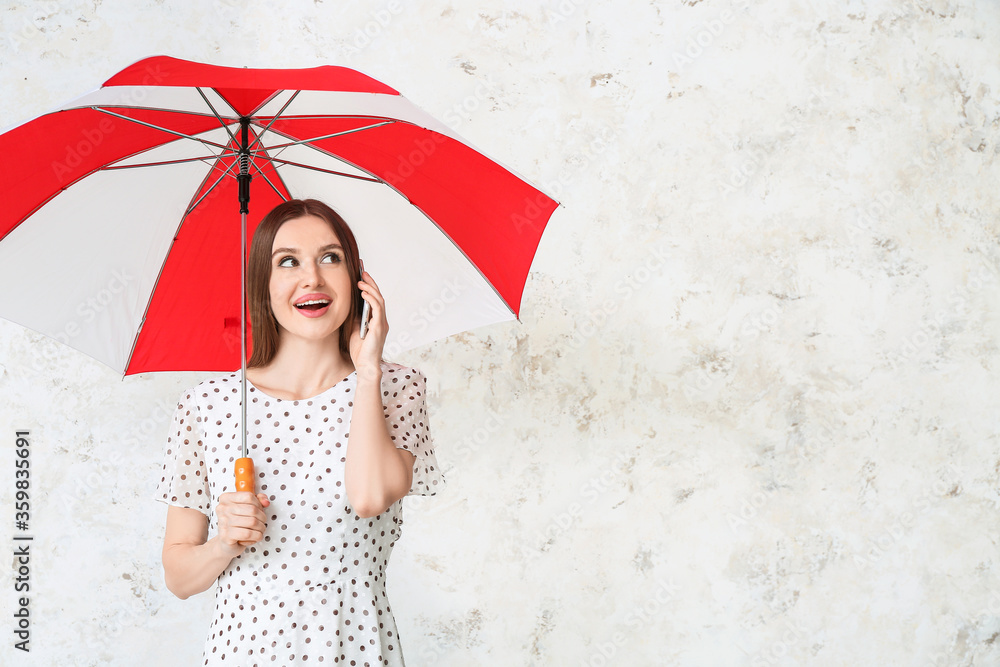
(244, 478)
(244, 474)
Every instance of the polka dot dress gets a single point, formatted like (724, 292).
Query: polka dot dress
(313, 590)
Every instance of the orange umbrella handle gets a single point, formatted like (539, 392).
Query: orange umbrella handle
(244, 478)
(244, 474)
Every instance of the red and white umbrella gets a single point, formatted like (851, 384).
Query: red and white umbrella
(120, 229)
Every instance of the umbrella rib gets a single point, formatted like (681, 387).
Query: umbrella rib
(342, 116)
(212, 187)
(161, 129)
(329, 136)
(261, 149)
(260, 134)
(277, 175)
(325, 171)
(221, 122)
(268, 181)
(257, 151)
(165, 162)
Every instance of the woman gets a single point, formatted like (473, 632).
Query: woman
(337, 436)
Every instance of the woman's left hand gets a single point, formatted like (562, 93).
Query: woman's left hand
(367, 354)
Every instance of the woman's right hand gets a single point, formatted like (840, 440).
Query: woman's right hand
(241, 520)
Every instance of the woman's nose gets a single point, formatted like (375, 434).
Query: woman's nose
(311, 275)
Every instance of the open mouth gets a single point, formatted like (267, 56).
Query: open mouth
(317, 304)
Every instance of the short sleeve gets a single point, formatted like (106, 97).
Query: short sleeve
(185, 476)
(404, 393)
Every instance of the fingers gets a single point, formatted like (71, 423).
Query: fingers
(241, 517)
(240, 497)
(370, 293)
(369, 287)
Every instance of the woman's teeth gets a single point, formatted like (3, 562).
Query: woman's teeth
(312, 305)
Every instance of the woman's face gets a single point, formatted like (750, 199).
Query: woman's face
(310, 286)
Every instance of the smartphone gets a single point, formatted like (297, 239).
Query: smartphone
(365, 309)
(364, 319)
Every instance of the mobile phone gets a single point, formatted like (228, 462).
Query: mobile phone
(365, 309)
(364, 319)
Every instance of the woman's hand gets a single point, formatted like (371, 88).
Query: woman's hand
(367, 354)
(241, 520)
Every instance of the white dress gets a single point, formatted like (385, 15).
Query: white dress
(313, 590)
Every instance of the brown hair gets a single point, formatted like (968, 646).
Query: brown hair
(263, 325)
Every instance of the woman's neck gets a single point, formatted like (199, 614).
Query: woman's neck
(302, 368)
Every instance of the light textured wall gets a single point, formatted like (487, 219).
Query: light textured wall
(750, 413)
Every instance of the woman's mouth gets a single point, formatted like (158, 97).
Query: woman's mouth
(313, 307)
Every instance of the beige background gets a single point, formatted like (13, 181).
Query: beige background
(750, 413)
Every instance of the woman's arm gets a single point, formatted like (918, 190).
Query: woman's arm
(191, 562)
(376, 474)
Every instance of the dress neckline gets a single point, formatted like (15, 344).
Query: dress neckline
(253, 387)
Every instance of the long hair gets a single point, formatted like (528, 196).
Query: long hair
(263, 325)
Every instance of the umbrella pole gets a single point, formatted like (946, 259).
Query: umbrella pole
(244, 465)
(243, 332)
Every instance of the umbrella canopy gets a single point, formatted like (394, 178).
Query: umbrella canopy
(120, 228)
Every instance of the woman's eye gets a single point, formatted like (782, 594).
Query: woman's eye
(285, 261)
(331, 258)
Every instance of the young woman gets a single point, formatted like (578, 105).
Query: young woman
(337, 436)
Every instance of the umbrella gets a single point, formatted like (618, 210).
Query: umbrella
(130, 194)
(121, 233)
